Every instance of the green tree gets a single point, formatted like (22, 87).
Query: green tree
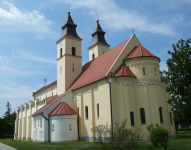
(178, 79)
(7, 114)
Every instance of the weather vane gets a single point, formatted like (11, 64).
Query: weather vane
(68, 7)
(45, 80)
(132, 30)
(97, 15)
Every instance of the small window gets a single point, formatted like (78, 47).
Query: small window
(160, 113)
(86, 109)
(41, 122)
(73, 68)
(35, 124)
(170, 118)
(70, 127)
(46, 95)
(132, 118)
(73, 51)
(143, 70)
(52, 94)
(60, 69)
(98, 110)
(52, 127)
(61, 52)
(155, 71)
(142, 113)
(38, 122)
(93, 56)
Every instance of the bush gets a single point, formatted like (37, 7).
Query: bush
(158, 135)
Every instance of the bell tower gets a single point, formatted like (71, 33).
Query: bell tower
(98, 45)
(69, 58)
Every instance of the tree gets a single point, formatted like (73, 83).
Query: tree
(178, 79)
(7, 114)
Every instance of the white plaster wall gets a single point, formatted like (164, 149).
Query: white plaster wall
(61, 130)
(27, 119)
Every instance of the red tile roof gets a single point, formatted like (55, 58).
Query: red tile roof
(139, 51)
(63, 109)
(44, 87)
(122, 71)
(92, 71)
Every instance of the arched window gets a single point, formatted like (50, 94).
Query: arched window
(142, 113)
(155, 70)
(132, 118)
(98, 110)
(170, 118)
(41, 122)
(46, 95)
(86, 109)
(70, 127)
(73, 51)
(143, 70)
(52, 93)
(61, 52)
(93, 56)
(52, 127)
(160, 113)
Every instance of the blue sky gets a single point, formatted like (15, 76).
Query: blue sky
(29, 31)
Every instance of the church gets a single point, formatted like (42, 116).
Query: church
(117, 83)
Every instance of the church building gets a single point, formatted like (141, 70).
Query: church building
(117, 83)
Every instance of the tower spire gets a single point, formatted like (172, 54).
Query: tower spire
(98, 35)
(69, 28)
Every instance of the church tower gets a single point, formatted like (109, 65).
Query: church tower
(69, 58)
(98, 45)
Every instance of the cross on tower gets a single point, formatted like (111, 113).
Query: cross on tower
(97, 16)
(68, 6)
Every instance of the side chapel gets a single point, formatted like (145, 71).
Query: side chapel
(117, 83)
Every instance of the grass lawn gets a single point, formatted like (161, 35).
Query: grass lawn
(181, 142)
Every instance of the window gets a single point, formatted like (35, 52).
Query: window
(70, 127)
(38, 122)
(170, 118)
(52, 127)
(93, 56)
(86, 109)
(60, 69)
(155, 70)
(61, 52)
(35, 124)
(46, 95)
(73, 51)
(143, 70)
(98, 110)
(142, 113)
(73, 68)
(41, 122)
(52, 93)
(132, 118)
(160, 113)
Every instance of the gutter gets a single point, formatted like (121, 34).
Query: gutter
(110, 103)
(48, 127)
(18, 125)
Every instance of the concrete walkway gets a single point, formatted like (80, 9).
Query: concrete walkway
(6, 147)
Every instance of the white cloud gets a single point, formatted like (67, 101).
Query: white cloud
(32, 21)
(117, 18)
(28, 56)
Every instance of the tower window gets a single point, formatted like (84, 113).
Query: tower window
(70, 127)
(132, 118)
(142, 113)
(98, 110)
(170, 118)
(73, 51)
(93, 56)
(86, 109)
(160, 113)
(61, 52)
(143, 70)
(155, 70)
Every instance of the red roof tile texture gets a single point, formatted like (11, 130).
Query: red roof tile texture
(92, 71)
(44, 87)
(63, 109)
(139, 51)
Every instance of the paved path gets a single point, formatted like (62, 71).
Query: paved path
(6, 147)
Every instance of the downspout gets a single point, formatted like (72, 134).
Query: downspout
(18, 124)
(110, 104)
(48, 127)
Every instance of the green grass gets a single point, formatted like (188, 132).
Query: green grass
(181, 142)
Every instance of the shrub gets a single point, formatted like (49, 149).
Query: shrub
(158, 135)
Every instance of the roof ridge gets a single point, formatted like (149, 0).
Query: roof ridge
(59, 107)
